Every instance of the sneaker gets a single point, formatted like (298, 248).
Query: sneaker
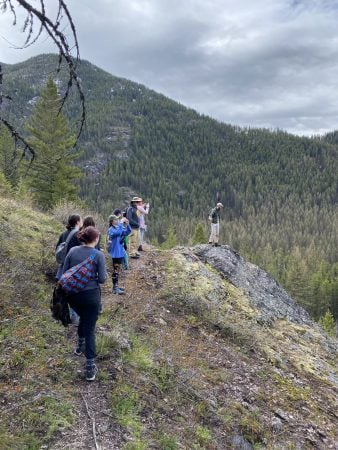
(135, 256)
(118, 288)
(80, 349)
(118, 291)
(91, 372)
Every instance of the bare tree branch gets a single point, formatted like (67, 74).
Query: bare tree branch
(54, 31)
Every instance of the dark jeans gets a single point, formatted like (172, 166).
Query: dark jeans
(87, 305)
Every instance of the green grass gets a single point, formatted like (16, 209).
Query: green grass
(166, 442)
(139, 356)
(105, 345)
(135, 445)
(203, 435)
(36, 372)
(165, 377)
(126, 406)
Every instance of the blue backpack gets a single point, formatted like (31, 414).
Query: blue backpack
(76, 278)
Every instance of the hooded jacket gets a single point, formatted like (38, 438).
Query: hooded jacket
(116, 235)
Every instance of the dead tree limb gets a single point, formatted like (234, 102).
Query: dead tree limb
(38, 15)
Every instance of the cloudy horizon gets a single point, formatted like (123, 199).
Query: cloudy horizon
(270, 64)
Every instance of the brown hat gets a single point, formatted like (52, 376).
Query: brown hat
(136, 199)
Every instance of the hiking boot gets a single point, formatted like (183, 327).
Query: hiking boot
(91, 372)
(80, 349)
(117, 290)
(216, 245)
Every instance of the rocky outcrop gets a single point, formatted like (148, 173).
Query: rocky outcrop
(261, 289)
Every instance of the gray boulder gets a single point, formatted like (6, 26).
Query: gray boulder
(261, 289)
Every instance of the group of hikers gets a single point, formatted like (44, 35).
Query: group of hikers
(84, 266)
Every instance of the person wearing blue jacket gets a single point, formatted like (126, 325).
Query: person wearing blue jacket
(116, 233)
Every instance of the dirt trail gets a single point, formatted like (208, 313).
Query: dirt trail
(95, 427)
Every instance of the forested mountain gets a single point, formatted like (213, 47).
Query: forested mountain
(279, 190)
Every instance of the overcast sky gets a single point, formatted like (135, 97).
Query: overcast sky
(259, 63)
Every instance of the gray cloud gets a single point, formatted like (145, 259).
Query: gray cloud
(262, 63)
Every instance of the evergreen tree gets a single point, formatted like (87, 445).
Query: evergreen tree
(52, 175)
(199, 236)
(297, 281)
(328, 323)
(8, 156)
(170, 239)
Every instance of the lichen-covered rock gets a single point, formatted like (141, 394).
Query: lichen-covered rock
(261, 289)
(248, 307)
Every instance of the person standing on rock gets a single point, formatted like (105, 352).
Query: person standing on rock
(214, 218)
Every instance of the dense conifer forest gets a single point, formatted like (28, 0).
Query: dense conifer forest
(279, 190)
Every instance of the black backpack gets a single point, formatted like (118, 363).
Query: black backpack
(62, 249)
(59, 306)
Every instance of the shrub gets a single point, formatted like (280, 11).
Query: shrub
(327, 322)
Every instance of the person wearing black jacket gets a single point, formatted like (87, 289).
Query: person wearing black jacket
(75, 241)
(73, 226)
(134, 222)
(214, 218)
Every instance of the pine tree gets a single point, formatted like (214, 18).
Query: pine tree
(52, 175)
(171, 239)
(199, 236)
(328, 323)
(8, 156)
(297, 281)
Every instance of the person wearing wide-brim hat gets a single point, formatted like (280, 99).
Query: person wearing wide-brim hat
(214, 218)
(134, 222)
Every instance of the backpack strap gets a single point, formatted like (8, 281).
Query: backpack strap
(70, 235)
(93, 255)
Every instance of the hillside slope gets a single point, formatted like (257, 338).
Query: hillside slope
(198, 354)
